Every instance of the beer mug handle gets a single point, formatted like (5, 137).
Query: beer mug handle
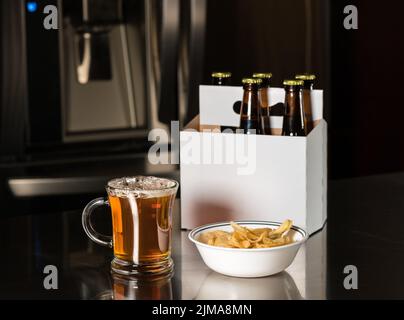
(88, 226)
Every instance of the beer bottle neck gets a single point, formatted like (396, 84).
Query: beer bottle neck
(292, 102)
(250, 101)
(293, 124)
(264, 98)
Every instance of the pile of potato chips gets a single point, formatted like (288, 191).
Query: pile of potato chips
(245, 238)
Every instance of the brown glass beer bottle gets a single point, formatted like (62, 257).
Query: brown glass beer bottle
(308, 85)
(250, 108)
(263, 95)
(221, 78)
(293, 124)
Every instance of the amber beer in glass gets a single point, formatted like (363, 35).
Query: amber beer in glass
(250, 108)
(308, 84)
(293, 124)
(141, 210)
(263, 93)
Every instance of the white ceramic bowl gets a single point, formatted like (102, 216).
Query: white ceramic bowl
(248, 263)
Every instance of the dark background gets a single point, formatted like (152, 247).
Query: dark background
(360, 70)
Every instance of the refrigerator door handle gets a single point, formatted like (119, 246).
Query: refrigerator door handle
(191, 57)
(161, 59)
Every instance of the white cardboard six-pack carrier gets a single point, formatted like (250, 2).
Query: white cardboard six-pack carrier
(229, 177)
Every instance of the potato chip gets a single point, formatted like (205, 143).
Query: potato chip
(285, 227)
(245, 238)
(240, 232)
(260, 238)
(259, 231)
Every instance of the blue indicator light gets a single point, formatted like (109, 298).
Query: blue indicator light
(32, 6)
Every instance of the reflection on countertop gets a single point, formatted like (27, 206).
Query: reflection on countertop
(32, 242)
(220, 287)
(357, 233)
(131, 288)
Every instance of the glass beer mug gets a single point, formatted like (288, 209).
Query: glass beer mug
(141, 209)
(135, 288)
(127, 288)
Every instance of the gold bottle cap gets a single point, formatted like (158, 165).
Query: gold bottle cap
(306, 76)
(267, 75)
(221, 74)
(251, 81)
(293, 82)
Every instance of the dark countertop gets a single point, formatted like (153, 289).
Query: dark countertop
(364, 229)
